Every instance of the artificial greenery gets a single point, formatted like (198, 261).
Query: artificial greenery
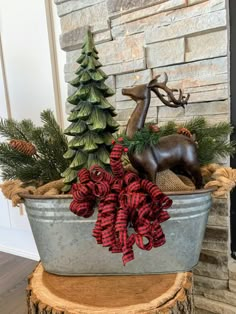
(46, 164)
(212, 139)
(91, 118)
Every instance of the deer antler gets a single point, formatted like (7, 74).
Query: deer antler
(171, 101)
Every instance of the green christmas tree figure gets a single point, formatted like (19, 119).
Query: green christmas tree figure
(92, 122)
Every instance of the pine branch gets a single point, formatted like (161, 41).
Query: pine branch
(195, 125)
(13, 162)
(57, 140)
(28, 173)
(212, 140)
(45, 149)
(168, 128)
(210, 149)
(26, 127)
(47, 164)
(52, 129)
(10, 156)
(8, 173)
(11, 129)
(47, 175)
(222, 129)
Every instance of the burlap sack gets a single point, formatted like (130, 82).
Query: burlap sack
(168, 181)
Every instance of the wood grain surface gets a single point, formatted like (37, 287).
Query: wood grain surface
(14, 271)
(169, 293)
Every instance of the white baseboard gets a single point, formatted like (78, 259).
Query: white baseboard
(18, 242)
(21, 253)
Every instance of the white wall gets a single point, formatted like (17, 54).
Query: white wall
(27, 58)
(30, 84)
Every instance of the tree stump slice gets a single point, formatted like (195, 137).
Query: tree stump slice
(52, 294)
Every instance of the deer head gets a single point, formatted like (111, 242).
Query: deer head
(139, 92)
(171, 100)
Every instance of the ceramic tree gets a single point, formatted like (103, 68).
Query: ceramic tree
(92, 116)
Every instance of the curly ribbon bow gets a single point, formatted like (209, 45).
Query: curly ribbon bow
(125, 201)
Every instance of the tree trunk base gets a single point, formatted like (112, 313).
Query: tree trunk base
(52, 294)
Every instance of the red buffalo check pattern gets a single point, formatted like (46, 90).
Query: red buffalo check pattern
(125, 202)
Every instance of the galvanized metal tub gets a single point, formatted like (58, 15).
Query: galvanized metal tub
(66, 246)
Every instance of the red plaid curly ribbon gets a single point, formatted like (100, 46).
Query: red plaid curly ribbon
(125, 201)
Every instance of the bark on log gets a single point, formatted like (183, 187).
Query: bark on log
(52, 294)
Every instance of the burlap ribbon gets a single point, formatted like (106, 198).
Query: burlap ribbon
(222, 178)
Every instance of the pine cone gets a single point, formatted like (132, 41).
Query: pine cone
(185, 132)
(23, 147)
(154, 128)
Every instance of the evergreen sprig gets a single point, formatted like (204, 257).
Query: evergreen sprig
(146, 137)
(50, 142)
(12, 129)
(212, 139)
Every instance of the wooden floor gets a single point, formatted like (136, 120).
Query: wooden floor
(14, 271)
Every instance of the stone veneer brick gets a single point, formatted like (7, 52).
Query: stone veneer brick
(66, 7)
(215, 44)
(74, 39)
(125, 67)
(166, 52)
(122, 50)
(191, 2)
(60, 1)
(87, 16)
(198, 73)
(205, 305)
(189, 26)
(142, 13)
(131, 79)
(202, 283)
(167, 19)
(127, 5)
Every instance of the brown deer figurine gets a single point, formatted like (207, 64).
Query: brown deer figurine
(170, 151)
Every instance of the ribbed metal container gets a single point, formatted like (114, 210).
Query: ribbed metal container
(66, 246)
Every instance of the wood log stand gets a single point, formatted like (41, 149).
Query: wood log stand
(52, 294)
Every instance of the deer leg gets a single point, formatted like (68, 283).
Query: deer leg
(196, 173)
(146, 163)
(150, 167)
(152, 176)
